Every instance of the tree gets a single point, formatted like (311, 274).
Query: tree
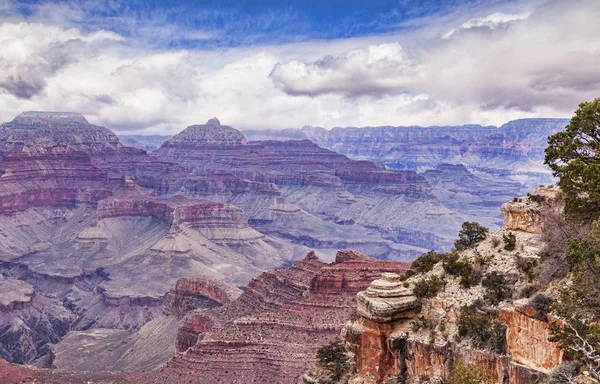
(574, 157)
(496, 287)
(578, 307)
(470, 234)
(333, 359)
(426, 262)
(427, 288)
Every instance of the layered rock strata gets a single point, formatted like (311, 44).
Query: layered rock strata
(271, 332)
(327, 187)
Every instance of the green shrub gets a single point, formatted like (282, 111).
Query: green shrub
(332, 358)
(510, 241)
(528, 266)
(496, 288)
(471, 374)
(482, 329)
(426, 261)
(470, 234)
(427, 288)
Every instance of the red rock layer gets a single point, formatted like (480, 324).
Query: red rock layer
(271, 333)
(56, 176)
(188, 290)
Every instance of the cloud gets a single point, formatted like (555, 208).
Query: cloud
(31, 53)
(525, 62)
(377, 69)
(493, 21)
(492, 69)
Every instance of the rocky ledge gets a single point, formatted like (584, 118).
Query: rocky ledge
(525, 213)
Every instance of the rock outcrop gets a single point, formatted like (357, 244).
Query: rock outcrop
(527, 338)
(399, 338)
(271, 332)
(525, 213)
(195, 292)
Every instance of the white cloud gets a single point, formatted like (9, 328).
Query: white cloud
(375, 69)
(493, 21)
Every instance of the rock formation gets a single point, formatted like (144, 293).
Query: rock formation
(51, 129)
(397, 337)
(326, 187)
(271, 332)
(525, 214)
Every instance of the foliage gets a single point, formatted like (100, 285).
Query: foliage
(427, 288)
(564, 373)
(578, 306)
(470, 234)
(542, 305)
(332, 358)
(426, 261)
(528, 266)
(496, 287)
(573, 157)
(471, 374)
(528, 290)
(482, 329)
(510, 241)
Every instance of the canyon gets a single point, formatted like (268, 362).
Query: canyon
(270, 331)
(216, 258)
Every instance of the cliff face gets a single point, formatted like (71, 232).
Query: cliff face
(271, 332)
(35, 176)
(526, 214)
(385, 347)
(396, 337)
(527, 339)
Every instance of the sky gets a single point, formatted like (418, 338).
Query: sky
(155, 67)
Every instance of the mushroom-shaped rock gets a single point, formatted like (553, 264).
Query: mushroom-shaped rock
(386, 300)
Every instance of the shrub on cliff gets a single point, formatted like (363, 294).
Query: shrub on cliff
(470, 234)
(542, 305)
(484, 330)
(332, 359)
(471, 374)
(496, 287)
(528, 266)
(453, 266)
(427, 288)
(573, 157)
(510, 241)
(426, 261)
